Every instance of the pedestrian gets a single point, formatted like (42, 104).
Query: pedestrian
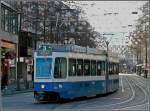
(4, 79)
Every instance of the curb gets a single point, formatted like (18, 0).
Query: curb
(17, 92)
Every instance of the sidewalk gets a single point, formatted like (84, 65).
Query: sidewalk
(12, 89)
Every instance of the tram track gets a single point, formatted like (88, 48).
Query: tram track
(144, 101)
(144, 83)
(133, 101)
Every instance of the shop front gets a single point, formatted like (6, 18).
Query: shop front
(8, 62)
(8, 43)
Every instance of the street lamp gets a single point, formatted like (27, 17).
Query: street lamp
(146, 52)
(107, 50)
(19, 35)
(107, 43)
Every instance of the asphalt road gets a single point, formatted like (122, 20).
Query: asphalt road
(133, 94)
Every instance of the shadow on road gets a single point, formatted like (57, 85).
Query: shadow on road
(63, 101)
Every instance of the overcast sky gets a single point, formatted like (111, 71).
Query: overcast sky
(97, 13)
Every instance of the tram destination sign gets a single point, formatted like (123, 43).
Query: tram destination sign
(44, 50)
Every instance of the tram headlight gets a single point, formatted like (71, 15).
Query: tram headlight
(42, 86)
(60, 86)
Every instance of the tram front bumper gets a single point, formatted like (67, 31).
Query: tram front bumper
(39, 95)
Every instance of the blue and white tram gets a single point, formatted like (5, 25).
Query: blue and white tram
(70, 71)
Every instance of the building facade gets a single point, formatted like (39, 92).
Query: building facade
(8, 41)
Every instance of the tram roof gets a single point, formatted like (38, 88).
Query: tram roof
(76, 49)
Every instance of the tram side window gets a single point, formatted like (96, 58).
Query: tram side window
(103, 68)
(60, 69)
(117, 68)
(79, 67)
(99, 68)
(72, 67)
(93, 68)
(87, 67)
(114, 68)
(110, 68)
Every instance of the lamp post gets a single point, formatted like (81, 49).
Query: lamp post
(36, 32)
(146, 60)
(106, 64)
(107, 72)
(19, 35)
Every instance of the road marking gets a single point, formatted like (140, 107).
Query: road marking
(122, 88)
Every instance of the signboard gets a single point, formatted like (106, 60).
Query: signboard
(30, 51)
(44, 50)
(8, 45)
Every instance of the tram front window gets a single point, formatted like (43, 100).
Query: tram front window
(43, 67)
(60, 69)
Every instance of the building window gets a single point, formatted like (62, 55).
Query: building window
(9, 20)
(6, 20)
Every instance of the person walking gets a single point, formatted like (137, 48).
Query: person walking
(4, 68)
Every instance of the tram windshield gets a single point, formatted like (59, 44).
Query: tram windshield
(43, 67)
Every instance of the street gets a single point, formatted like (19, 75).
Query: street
(70, 49)
(133, 94)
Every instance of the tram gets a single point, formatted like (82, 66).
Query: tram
(71, 71)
